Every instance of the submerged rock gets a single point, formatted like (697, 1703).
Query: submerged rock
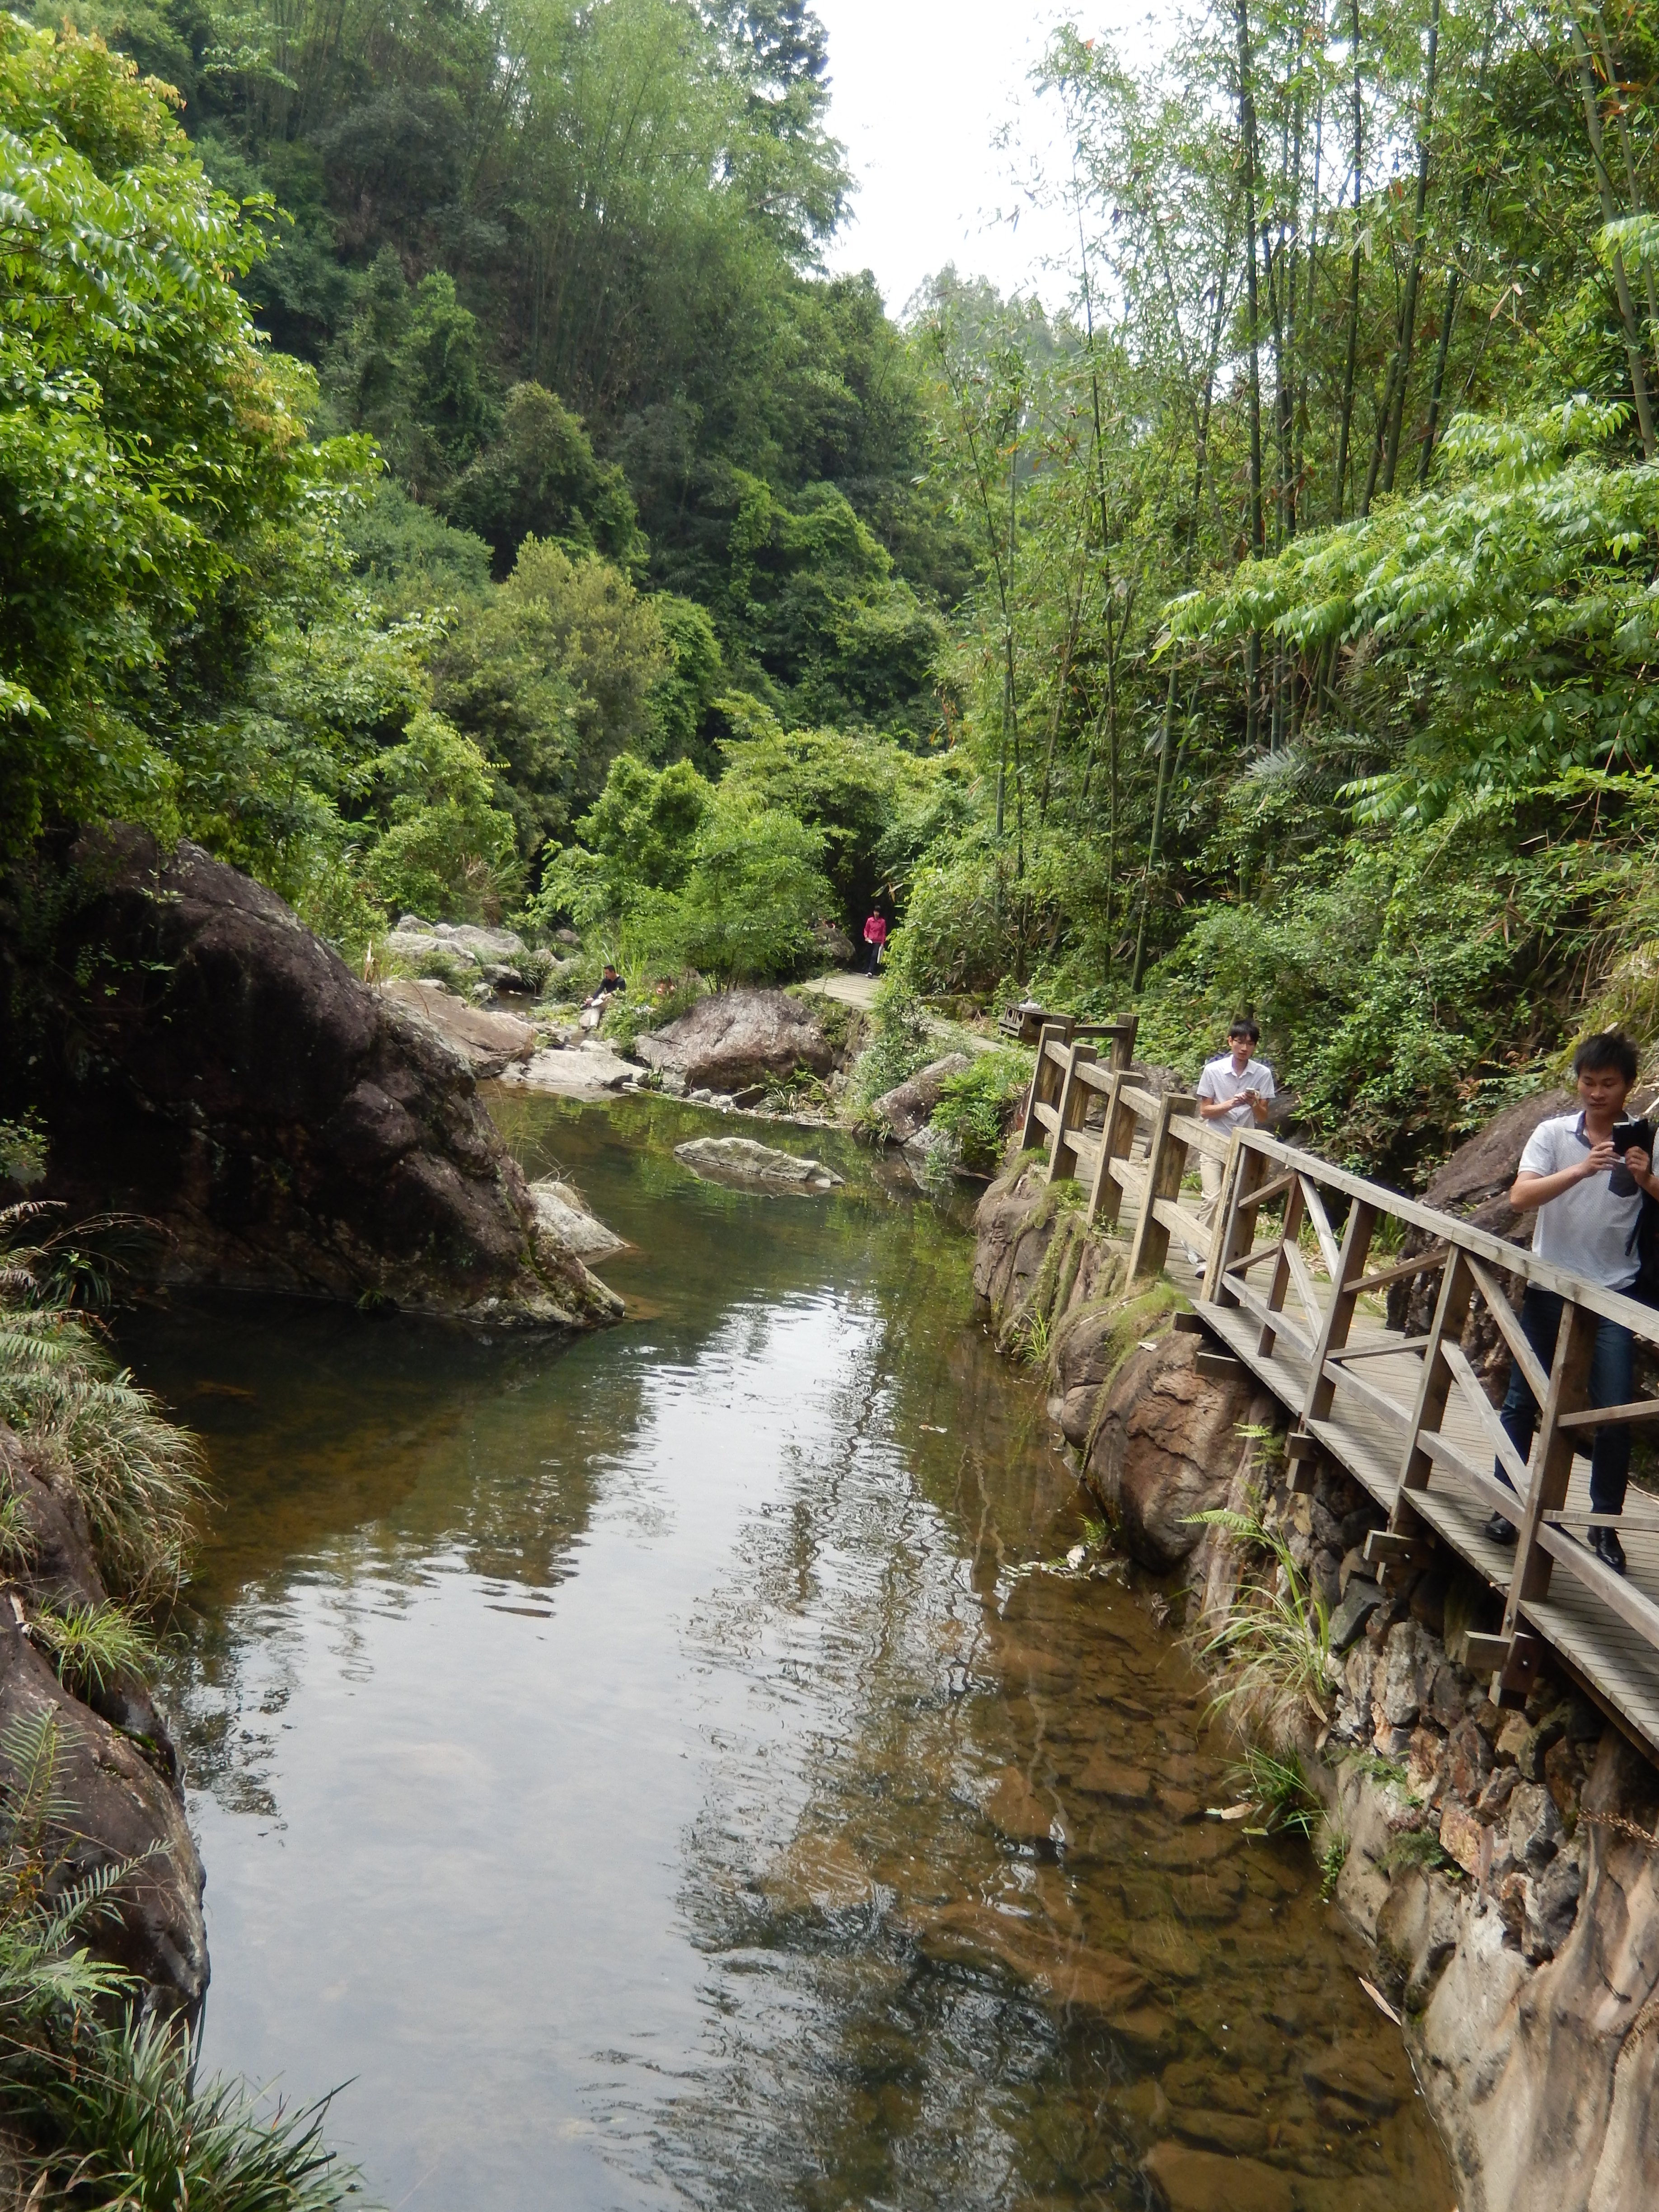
(202, 1060)
(741, 1160)
(1188, 2180)
(487, 1041)
(737, 1039)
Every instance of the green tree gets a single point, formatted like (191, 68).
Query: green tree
(447, 851)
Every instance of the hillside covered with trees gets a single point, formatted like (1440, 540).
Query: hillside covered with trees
(438, 475)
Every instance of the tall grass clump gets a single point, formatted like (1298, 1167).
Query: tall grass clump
(1275, 1643)
(140, 1478)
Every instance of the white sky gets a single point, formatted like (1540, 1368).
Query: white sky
(919, 90)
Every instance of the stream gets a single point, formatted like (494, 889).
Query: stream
(662, 1771)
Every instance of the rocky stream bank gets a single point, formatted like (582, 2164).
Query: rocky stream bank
(1504, 1866)
(206, 1064)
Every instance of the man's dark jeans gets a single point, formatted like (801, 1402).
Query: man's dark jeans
(1613, 1383)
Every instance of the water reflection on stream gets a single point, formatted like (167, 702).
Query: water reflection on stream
(640, 1770)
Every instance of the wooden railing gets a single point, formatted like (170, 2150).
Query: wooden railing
(1139, 1144)
(1295, 1300)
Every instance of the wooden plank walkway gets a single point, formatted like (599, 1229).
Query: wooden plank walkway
(1406, 1417)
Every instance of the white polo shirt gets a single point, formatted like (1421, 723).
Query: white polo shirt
(1220, 1081)
(1589, 1228)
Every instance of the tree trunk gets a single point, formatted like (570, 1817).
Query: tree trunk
(1630, 174)
(1353, 277)
(1247, 133)
(1414, 268)
(1638, 382)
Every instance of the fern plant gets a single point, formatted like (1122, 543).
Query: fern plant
(49, 1979)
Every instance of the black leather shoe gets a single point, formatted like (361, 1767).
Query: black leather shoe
(1500, 1530)
(1605, 1543)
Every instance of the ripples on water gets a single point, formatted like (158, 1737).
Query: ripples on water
(643, 1770)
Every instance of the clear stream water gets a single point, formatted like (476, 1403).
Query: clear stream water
(648, 1772)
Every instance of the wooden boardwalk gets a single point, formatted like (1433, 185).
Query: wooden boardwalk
(1276, 1286)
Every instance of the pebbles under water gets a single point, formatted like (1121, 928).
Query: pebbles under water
(662, 1771)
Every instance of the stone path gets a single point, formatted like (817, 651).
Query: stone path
(859, 991)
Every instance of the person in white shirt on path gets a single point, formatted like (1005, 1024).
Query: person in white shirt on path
(1235, 1090)
(1586, 1174)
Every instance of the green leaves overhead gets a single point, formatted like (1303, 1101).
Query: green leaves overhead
(150, 457)
(1506, 623)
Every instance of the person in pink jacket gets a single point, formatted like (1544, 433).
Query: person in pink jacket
(875, 936)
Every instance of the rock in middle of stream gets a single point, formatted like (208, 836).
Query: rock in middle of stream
(754, 1167)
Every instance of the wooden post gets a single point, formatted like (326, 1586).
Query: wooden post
(1433, 1390)
(1117, 1139)
(1351, 1266)
(1552, 1458)
(1166, 1164)
(1044, 1082)
(1279, 1289)
(1237, 1223)
(1073, 1105)
(1123, 1044)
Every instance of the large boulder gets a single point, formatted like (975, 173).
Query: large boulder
(498, 957)
(1014, 1224)
(201, 1060)
(488, 1043)
(1547, 2085)
(903, 1110)
(738, 1039)
(1474, 1182)
(1164, 1443)
(114, 1771)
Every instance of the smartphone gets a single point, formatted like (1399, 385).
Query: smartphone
(1620, 1182)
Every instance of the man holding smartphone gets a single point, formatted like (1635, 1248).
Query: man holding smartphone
(1585, 1175)
(1235, 1090)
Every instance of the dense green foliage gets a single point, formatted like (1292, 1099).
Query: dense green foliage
(1307, 668)
(1271, 628)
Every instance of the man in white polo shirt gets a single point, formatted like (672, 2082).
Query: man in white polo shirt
(1235, 1090)
(1585, 1173)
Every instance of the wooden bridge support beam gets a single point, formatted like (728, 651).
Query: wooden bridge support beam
(1045, 1087)
(1073, 1105)
(1434, 1388)
(1117, 1139)
(1551, 1467)
(1279, 1289)
(1338, 1314)
(1235, 1223)
(1166, 1164)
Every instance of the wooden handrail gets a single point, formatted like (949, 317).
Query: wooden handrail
(1440, 1485)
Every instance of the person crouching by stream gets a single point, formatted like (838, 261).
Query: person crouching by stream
(592, 1011)
(1586, 1176)
(1235, 1090)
